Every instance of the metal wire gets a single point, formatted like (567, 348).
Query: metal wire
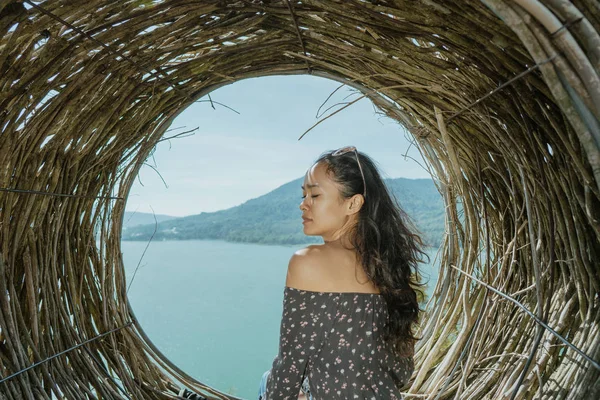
(596, 364)
(64, 352)
(107, 47)
(9, 190)
(521, 75)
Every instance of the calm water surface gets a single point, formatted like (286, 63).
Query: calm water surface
(214, 308)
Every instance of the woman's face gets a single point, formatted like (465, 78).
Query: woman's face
(324, 212)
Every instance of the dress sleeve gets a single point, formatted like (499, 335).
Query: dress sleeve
(298, 343)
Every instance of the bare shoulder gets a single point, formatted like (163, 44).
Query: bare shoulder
(303, 269)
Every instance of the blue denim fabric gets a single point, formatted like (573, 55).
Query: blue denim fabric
(263, 386)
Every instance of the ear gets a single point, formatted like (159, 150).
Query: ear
(354, 204)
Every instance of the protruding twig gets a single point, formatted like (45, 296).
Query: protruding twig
(330, 115)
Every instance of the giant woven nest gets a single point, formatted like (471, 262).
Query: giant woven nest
(502, 98)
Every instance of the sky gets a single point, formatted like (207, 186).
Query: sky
(234, 157)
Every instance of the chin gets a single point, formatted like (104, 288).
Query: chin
(309, 232)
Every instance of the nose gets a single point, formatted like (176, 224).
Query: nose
(303, 204)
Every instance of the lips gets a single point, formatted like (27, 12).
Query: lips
(304, 219)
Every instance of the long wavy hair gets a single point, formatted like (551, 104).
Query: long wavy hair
(388, 244)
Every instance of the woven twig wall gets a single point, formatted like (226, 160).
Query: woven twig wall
(502, 98)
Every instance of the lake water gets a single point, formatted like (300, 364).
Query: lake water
(214, 308)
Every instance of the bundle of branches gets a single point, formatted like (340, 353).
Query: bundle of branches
(502, 98)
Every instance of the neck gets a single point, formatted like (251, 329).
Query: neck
(342, 241)
(341, 238)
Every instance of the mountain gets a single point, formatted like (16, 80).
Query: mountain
(131, 219)
(274, 218)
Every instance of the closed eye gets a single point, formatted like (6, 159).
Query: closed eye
(313, 196)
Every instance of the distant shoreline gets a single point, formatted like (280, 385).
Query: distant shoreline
(273, 218)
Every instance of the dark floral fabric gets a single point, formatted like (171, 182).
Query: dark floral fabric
(335, 339)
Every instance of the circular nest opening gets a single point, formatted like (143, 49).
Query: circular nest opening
(502, 98)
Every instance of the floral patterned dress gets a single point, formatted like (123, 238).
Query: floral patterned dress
(335, 339)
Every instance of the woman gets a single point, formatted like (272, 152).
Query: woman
(349, 304)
